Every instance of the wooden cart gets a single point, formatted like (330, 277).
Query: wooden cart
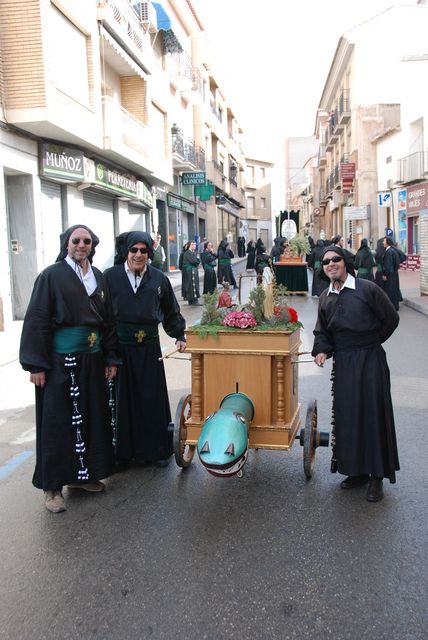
(261, 364)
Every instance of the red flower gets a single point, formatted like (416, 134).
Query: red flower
(293, 314)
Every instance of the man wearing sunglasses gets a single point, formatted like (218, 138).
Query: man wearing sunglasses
(354, 318)
(69, 346)
(142, 299)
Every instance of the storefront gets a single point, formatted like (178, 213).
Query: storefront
(181, 226)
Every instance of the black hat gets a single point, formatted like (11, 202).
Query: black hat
(340, 252)
(65, 237)
(127, 240)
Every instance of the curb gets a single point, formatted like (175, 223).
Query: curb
(413, 304)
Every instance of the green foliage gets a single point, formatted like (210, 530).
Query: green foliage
(256, 300)
(210, 313)
(280, 295)
(300, 245)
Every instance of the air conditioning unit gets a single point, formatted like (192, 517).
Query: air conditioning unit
(147, 15)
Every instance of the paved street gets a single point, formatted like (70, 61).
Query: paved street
(165, 554)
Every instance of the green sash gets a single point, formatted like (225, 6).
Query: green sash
(209, 267)
(76, 340)
(364, 270)
(136, 334)
(224, 261)
(189, 267)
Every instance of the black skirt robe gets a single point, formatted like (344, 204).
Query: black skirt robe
(209, 261)
(351, 327)
(143, 411)
(59, 299)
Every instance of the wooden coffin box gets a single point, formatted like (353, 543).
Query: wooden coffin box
(260, 364)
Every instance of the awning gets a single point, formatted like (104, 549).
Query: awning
(127, 60)
(162, 18)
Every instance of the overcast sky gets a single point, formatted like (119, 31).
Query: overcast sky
(303, 34)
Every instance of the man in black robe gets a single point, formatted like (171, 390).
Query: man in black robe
(354, 318)
(390, 266)
(142, 298)
(209, 261)
(69, 346)
(190, 275)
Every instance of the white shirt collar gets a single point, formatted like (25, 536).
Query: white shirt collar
(349, 283)
(88, 279)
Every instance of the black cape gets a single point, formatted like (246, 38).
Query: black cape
(190, 276)
(142, 408)
(59, 299)
(209, 261)
(364, 263)
(251, 255)
(390, 266)
(351, 327)
(225, 271)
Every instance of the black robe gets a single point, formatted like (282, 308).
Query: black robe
(251, 255)
(224, 269)
(142, 409)
(59, 299)
(390, 265)
(209, 261)
(351, 327)
(364, 263)
(190, 276)
(319, 280)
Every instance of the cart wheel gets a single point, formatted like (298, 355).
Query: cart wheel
(183, 452)
(309, 439)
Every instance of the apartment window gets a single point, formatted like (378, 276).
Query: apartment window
(389, 159)
(251, 201)
(250, 173)
(262, 203)
(68, 58)
(220, 114)
(262, 173)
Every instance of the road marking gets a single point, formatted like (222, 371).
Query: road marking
(27, 436)
(11, 464)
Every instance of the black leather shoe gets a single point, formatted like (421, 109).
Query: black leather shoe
(375, 489)
(354, 481)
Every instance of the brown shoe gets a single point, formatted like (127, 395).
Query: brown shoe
(93, 487)
(54, 501)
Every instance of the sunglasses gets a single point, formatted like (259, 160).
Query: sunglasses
(84, 240)
(327, 261)
(136, 250)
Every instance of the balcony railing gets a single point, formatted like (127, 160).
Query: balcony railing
(184, 148)
(121, 17)
(322, 159)
(413, 167)
(344, 107)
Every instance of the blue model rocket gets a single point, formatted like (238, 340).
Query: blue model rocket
(223, 442)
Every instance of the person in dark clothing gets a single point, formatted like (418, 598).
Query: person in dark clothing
(180, 266)
(364, 261)
(209, 261)
(251, 255)
(69, 346)
(319, 283)
(241, 246)
(224, 269)
(338, 241)
(390, 266)
(277, 250)
(380, 250)
(190, 275)
(354, 318)
(142, 298)
(262, 260)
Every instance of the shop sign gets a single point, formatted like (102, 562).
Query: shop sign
(144, 193)
(356, 213)
(205, 192)
(194, 177)
(61, 162)
(347, 175)
(123, 184)
(417, 198)
(177, 202)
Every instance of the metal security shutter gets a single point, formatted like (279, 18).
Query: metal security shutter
(98, 216)
(142, 221)
(51, 219)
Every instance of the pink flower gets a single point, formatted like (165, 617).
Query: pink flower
(240, 319)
